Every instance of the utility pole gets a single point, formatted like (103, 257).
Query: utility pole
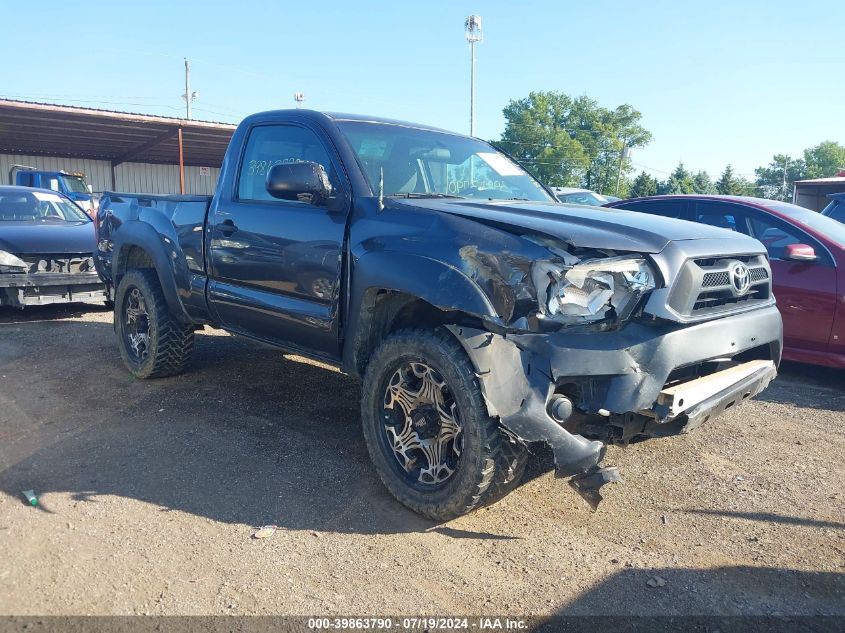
(785, 167)
(188, 96)
(473, 34)
(626, 151)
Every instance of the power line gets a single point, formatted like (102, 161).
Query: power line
(539, 127)
(102, 101)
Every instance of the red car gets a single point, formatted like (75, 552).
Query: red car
(807, 254)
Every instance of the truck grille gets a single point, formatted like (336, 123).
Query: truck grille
(706, 287)
(72, 264)
(713, 280)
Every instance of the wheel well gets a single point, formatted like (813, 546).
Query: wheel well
(131, 257)
(387, 311)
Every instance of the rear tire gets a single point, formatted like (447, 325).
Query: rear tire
(152, 343)
(488, 463)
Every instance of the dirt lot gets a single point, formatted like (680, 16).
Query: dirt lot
(150, 492)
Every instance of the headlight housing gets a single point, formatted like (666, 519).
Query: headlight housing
(592, 290)
(11, 263)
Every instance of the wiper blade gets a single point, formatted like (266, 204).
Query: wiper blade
(416, 194)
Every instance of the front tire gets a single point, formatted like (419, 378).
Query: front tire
(427, 430)
(152, 343)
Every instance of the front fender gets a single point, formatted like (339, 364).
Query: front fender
(438, 283)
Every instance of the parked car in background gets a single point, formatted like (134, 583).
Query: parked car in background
(807, 255)
(47, 247)
(73, 186)
(836, 207)
(573, 195)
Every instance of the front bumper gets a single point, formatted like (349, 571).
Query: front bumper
(609, 375)
(26, 289)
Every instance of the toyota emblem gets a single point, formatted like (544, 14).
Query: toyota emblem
(740, 278)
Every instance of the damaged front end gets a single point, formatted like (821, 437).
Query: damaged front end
(578, 364)
(520, 391)
(44, 279)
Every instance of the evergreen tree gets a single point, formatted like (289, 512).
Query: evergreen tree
(729, 184)
(643, 185)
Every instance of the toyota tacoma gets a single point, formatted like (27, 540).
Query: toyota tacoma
(480, 314)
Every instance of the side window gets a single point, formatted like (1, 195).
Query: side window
(776, 236)
(665, 208)
(721, 215)
(270, 145)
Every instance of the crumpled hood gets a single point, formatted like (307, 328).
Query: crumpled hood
(33, 238)
(591, 227)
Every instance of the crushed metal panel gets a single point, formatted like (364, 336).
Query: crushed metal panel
(516, 385)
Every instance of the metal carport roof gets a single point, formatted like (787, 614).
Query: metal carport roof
(43, 129)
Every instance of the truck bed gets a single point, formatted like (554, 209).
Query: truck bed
(177, 222)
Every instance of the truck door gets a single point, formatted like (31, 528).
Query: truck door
(275, 265)
(46, 181)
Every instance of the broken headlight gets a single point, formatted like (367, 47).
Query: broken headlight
(591, 290)
(11, 264)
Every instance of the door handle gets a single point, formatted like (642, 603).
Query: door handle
(227, 227)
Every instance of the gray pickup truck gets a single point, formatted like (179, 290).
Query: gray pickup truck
(481, 315)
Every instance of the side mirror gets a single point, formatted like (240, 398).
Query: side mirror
(800, 253)
(305, 181)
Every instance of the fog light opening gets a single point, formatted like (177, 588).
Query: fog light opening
(559, 408)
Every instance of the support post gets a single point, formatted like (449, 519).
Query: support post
(181, 165)
(472, 90)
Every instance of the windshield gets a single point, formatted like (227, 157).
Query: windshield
(583, 197)
(38, 207)
(426, 163)
(826, 226)
(75, 184)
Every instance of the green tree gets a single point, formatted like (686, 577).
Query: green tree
(732, 185)
(701, 183)
(770, 180)
(643, 185)
(824, 160)
(679, 181)
(572, 142)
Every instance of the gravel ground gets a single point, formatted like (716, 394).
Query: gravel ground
(150, 493)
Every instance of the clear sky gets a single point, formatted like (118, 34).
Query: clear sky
(724, 81)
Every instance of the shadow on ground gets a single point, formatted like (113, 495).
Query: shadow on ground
(807, 386)
(52, 312)
(770, 518)
(245, 436)
(726, 591)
